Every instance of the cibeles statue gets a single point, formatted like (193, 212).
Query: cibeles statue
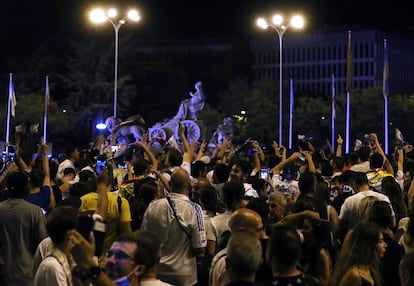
(187, 115)
(190, 107)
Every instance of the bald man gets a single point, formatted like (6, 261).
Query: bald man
(242, 220)
(182, 239)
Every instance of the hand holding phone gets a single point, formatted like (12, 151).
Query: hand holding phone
(100, 163)
(84, 225)
(264, 173)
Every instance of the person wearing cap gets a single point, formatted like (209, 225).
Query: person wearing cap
(22, 228)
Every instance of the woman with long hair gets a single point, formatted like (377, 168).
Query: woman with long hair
(359, 264)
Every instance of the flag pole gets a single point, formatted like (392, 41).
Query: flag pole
(333, 113)
(385, 93)
(348, 90)
(46, 107)
(291, 106)
(8, 115)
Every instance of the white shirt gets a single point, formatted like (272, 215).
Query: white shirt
(350, 207)
(52, 273)
(155, 282)
(177, 258)
(62, 166)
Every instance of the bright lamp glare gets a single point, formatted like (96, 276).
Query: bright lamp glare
(133, 15)
(277, 19)
(297, 22)
(261, 23)
(112, 13)
(100, 126)
(97, 16)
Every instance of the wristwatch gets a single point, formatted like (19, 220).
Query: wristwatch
(92, 273)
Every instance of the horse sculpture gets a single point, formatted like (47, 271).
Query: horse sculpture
(124, 130)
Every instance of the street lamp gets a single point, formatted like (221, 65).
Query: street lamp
(100, 16)
(296, 22)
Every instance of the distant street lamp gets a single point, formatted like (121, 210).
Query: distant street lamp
(296, 22)
(99, 16)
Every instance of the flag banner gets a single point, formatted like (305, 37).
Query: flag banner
(386, 75)
(12, 97)
(349, 64)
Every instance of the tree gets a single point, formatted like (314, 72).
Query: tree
(257, 122)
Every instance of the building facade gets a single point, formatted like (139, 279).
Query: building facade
(313, 59)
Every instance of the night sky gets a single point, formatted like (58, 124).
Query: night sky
(26, 22)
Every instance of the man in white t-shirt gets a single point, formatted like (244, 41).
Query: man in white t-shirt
(349, 214)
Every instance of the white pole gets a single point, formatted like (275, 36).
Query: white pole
(333, 113)
(116, 29)
(280, 33)
(46, 109)
(347, 122)
(291, 108)
(385, 91)
(9, 99)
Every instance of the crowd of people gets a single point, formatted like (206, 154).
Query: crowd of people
(151, 213)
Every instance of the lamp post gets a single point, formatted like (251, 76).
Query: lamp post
(296, 22)
(100, 16)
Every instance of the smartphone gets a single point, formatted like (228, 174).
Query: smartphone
(264, 173)
(115, 148)
(84, 225)
(100, 163)
(122, 165)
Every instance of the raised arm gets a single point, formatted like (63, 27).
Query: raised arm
(309, 159)
(291, 158)
(42, 151)
(387, 164)
(151, 157)
(201, 150)
(339, 142)
(188, 155)
(226, 143)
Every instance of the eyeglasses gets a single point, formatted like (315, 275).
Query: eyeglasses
(119, 254)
